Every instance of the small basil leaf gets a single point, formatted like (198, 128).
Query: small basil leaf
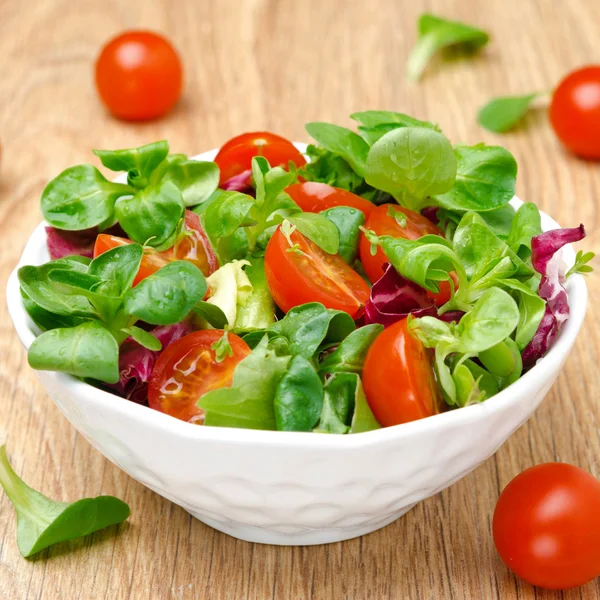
(196, 180)
(491, 320)
(87, 350)
(167, 296)
(42, 522)
(434, 35)
(499, 359)
(36, 284)
(347, 221)
(349, 356)
(478, 248)
(143, 160)
(118, 265)
(338, 404)
(486, 382)
(162, 168)
(363, 418)
(411, 163)
(298, 397)
(81, 198)
(485, 179)
(531, 310)
(343, 142)
(317, 228)
(248, 403)
(307, 326)
(526, 224)
(152, 215)
(143, 338)
(45, 319)
(211, 313)
(501, 114)
(375, 118)
(228, 210)
(432, 331)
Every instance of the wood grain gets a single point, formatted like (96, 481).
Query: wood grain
(259, 64)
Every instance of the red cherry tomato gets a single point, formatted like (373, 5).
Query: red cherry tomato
(194, 247)
(547, 526)
(188, 368)
(398, 377)
(382, 223)
(575, 112)
(236, 155)
(314, 197)
(309, 274)
(139, 76)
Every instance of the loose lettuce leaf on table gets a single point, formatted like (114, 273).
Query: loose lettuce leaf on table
(42, 522)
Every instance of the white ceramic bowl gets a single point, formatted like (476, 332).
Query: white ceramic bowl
(296, 488)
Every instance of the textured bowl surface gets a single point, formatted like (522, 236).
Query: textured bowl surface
(296, 488)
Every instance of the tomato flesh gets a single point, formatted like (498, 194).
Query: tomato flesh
(312, 275)
(398, 377)
(546, 526)
(575, 112)
(236, 155)
(315, 197)
(194, 247)
(188, 368)
(382, 223)
(139, 76)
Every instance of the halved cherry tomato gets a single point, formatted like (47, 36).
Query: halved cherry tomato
(306, 273)
(398, 377)
(575, 112)
(236, 155)
(139, 75)
(188, 368)
(382, 223)
(314, 197)
(194, 247)
(547, 526)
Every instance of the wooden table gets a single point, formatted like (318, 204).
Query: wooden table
(253, 65)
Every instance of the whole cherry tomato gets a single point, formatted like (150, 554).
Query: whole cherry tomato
(194, 247)
(575, 112)
(547, 526)
(398, 377)
(139, 76)
(236, 155)
(189, 368)
(303, 272)
(315, 197)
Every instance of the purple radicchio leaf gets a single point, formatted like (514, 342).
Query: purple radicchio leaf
(63, 243)
(393, 297)
(547, 261)
(430, 212)
(452, 316)
(239, 183)
(136, 362)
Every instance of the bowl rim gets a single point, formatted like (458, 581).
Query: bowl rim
(545, 370)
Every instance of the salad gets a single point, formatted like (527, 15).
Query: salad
(379, 278)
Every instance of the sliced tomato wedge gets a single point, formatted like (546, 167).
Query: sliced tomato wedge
(236, 155)
(194, 247)
(314, 197)
(189, 368)
(303, 272)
